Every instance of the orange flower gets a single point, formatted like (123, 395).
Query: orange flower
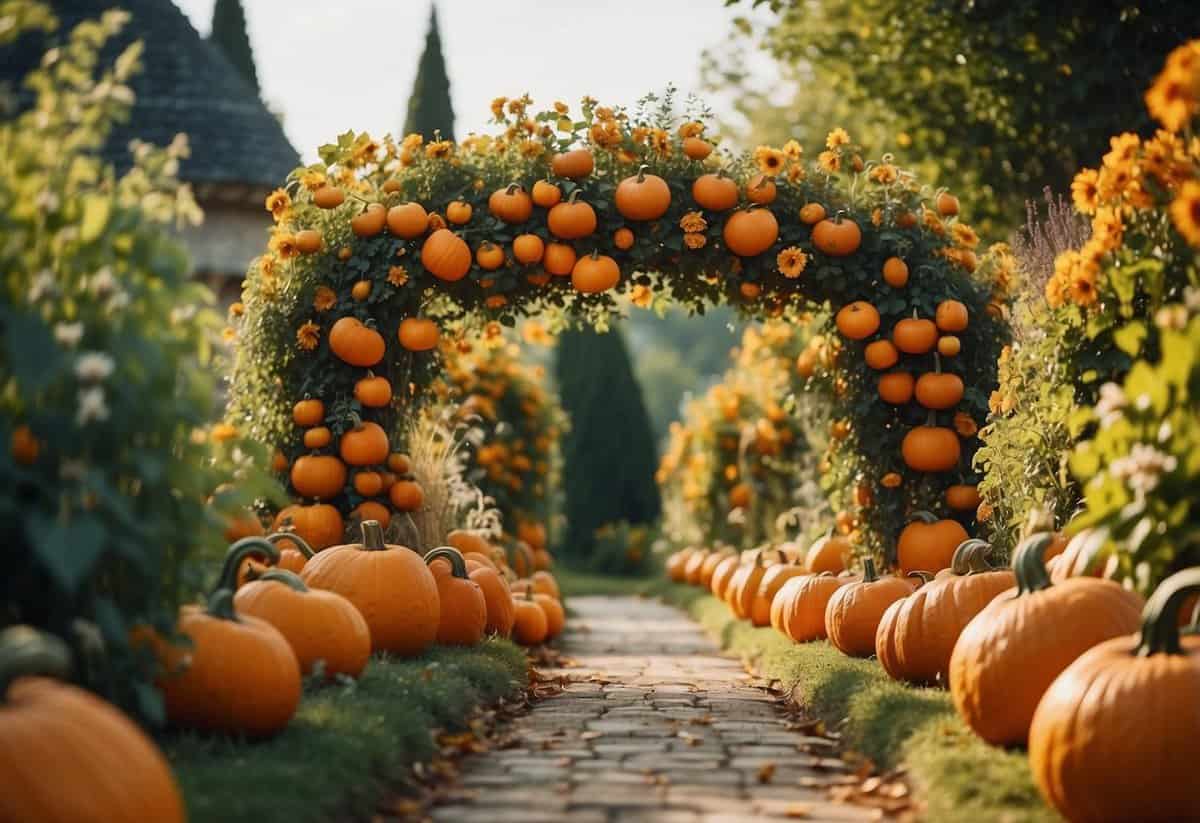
(964, 235)
(694, 240)
(791, 262)
(830, 162)
(222, 432)
(885, 173)
(228, 334)
(1174, 98)
(792, 150)
(284, 245)
(311, 179)
(439, 150)
(278, 203)
(795, 173)
(308, 335)
(693, 221)
(1085, 190)
(891, 480)
(642, 296)
(836, 138)
(1083, 284)
(397, 275)
(237, 309)
(691, 129)
(324, 299)
(531, 148)
(965, 425)
(1185, 212)
(770, 161)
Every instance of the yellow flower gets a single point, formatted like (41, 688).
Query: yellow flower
(535, 333)
(770, 161)
(412, 141)
(498, 107)
(984, 512)
(606, 133)
(531, 148)
(278, 202)
(604, 113)
(830, 161)
(1107, 229)
(312, 179)
(642, 296)
(237, 309)
(660, 141)
(836, 138)
(1174, 98)
(932, 221)
(284, 245)
(308, 335)
(560, 107)
(222, 432)
(1082, 286)
(397, 275)
(364, 151)
(228, 334)
(891, 480)
(693, 221)
(324, 299)
(964, 235)
(965, 425)
(1123, 148)
(694, 240)
(1085, 190)
(795, 173)
(1113, 182)
(691, 129)
(439, 150)
(792, 262)
(640, 134)
(792, 150)
(884, 173)
(1185, 212)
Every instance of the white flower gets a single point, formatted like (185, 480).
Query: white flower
(1142, 402)
(68, 334)
(1142, 468)
(1173, 316)
(103, 282)
(182, 314)
(93, 366)
(1109, 405)
(46, 200)
(118, 301)
(1165, 431)
(1191, 298)
(92, 406)
(43, 284)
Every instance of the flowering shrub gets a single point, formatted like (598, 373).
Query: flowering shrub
(331, 258)
(103, 360)
(1093, 320)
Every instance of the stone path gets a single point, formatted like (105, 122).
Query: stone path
(656, 726)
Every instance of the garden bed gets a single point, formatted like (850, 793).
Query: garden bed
(348, 746)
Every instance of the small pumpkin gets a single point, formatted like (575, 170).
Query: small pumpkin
(546, 194)
(715, 192)
(489, 256)
(390, 585)
(914, 335)
(828, 554)
(573, 219)
(1117, 734)
(946, 204)
(896, 387)
(530, 626)
(642, 196)
(320, 626)
(545, 583)
(366, 444)
(319, 476)
(446, 256)
(355, 343)
(928, 544)
(696, 148)
(370, 222)
(371, 510)
(293, 554)
(801, 604)
(528, 248)
(761, 189)
(407, 495)
(320, 526)
(1009, 654)
(556, 618)
(328, 197)
(744, 586)
(938, 389)
(709, 566)
(595, 273)
(881, 355)
(858, 320)
(308, 241)
(750, 232)
(559, 259)
(573, 164)
(497, 596)
(930, 449)
(772, 581)
(368, 483)
(373, 391)
(317, 437)
(917, 642)
(512, 204)
(895, 272)
(949, 346)
(812, 213)
(691, 569)
(104, 768)
(623, 238)
(464, 614)
(962, 497)
(407, 220)
(722, 574)
(838, 237)
(308, 413)
(853, 613)
(951, 316)
(418, 334)
(459, 213)
(1080, 557)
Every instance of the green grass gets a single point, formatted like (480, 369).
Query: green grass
(957, 775)
(347, 746)
(576, 582)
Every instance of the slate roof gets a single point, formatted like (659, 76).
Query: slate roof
(186, 85)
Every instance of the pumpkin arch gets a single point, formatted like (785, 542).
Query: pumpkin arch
(822, 239)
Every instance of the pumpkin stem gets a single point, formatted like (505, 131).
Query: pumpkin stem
(289, 579)
(869, 573)
(573, 196)
(458, 565)
(220, 605)
(971, 557)
(372, 536)
(937, 362)
(923, 516)
(1029, 566)
(923, 576)
(641, 175)
(837, 217)
(27, 652)
(300, 543)
(1160, 618)
(513, 188)
(238, 552)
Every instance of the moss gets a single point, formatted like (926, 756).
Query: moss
(348, 745)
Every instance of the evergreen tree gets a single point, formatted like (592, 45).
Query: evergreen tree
(429, 107)
(609, 454)
(229, 35)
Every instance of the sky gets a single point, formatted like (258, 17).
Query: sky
(329, 67)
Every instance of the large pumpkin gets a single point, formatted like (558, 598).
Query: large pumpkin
(642, 196)
(750, 232)
(66, 756)
(1011, 652)
(828, 554)
(364, 445)
(512, 204)
(355, 343)
(573, 219)
(715, 192)
(320, 626)
(801, 604)
(573, 164)
(464, 614)
(853, 612)
(595, 273)
(928, 544)
(768, 588)
(838, 237)
(1117, 734)
(930, 449)
(446, 256)
(917, 643)
(497, 596)
(390, 585)
(320, 525)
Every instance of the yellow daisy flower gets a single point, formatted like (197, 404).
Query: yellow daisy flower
(830, 162)
(837, 137)
(770, 161)
(1185, 212)
(278, 203)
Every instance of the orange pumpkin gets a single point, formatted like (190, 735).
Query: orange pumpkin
(930, 449)
(928, 544)
(371, 510)
(948, 345)
(750, 232)
(573, 219)
(530, 625)
(709, 567)
(319, 476)
(497, 596)
(951, 316)
(691, 569)
(962, 497)
(489, 256)
(1012, 651)
(459, 213)
(744, 589)
(722, 574)
(512, 204)
(528, 248)
(838, 237)
(828, 554)
(914, 335)
(408, 220)
(895, 272)
(801, 604)
(390, 585)
(294, 552)
(643, 196)
(361, 290)
(573, 164)
(446, 256)
(320, 526)
(946, 204)
(464, 614)
(406, 495)
(559, 259)
(896, 387)
(364, 445)
(546, 194)
(308, 241)
(939, 390)
(696, 148)
(812, 213)
(761, 189)
(772, 581)
(328, 197)
(308, 413)
(715, 192)
(595, 274)
(373, 391)
(857, 320)
(356, 344)
(317, 437)
(623, 238)
(418, 334)
(556, 618)
(370, 222)
(881, 355)
(853, 613)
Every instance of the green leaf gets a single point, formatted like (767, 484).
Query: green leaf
(68, 551)
(96, 211)
(1130, 336)
(32, 353)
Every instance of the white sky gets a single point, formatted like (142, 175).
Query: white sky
(349, 64)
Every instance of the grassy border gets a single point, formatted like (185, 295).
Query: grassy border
(348, 746)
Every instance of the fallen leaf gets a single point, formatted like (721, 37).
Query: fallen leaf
(797, 810)
(766, 772)
(590, 735)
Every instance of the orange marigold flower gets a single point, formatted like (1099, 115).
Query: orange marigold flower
(984, 512)
(493, 330)
(642, 296)
(694, 240)
(640, 134)
(560, 107)
(691, 129)
(965, 425)
(795, 173)
(891, 480)
(439, 150)
(836, 138)
(278, 203)
(964, 236)
(397, 275)
(770, 161)
(284, 245)
(791, 262)
(228, 334)
(308, 335)
(532, 148)
(693, 221)
(313, 179)
(660, 141)
(1107, 228)
(498, 107)
(830, 162)
(1174, 97)
(324, 299)
(1185, 212)
(1082, 285)
(1085, 190)
(237, 309)
(1123, 148)
(884, 173)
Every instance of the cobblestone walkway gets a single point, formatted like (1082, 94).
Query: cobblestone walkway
(655, 726)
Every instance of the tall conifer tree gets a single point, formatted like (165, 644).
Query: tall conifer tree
(229, 35)
(429, 106)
